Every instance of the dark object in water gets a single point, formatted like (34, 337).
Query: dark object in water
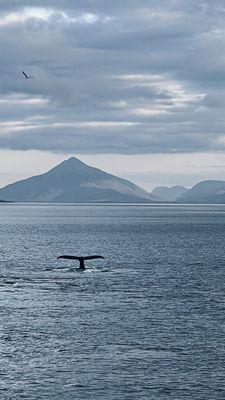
(80, 259)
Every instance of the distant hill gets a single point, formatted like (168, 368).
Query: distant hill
(73, 181)
(205, 192)
(169, 193)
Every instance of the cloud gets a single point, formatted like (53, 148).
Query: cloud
(47, 15)
(125, 77)
(21, 99)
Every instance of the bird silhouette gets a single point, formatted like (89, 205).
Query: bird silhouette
(27, 76)
(80, 259)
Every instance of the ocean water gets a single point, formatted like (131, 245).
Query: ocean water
(148, 322)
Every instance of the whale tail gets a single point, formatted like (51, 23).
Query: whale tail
(80, 259)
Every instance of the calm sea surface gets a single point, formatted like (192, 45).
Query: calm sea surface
(148, 322)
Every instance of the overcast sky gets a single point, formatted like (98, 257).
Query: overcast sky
(135, 87)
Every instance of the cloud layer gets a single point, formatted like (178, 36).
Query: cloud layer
(139, 77)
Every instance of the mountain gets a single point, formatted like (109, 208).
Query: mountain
(73, 181)
(205, 192)
(169, 193)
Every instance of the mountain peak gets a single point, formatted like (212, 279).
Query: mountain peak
(71, 161)
(169, 193)
(210, 191)
(74, 181)
(69, 165)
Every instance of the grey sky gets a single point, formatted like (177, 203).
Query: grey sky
(143, 78)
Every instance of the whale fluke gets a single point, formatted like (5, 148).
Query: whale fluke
(80, 259)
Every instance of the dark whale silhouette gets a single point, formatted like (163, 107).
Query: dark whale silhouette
(80, 259)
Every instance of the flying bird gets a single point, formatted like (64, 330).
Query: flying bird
(80, 259)
(27, 76)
